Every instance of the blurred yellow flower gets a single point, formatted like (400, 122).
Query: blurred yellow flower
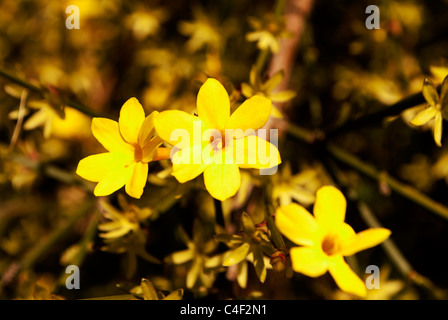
(131, 143)
(267, 32)
(325, 239)
(221, 168)
(203, 32)
(43, 117)
(144, 23)
(434, 109)
(299, 187)
(267, 89)
(197, 256)
(439, 72)
(250, 246)
(123, 231)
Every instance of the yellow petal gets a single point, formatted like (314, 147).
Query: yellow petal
(330, 207)
(135, 186)
(147, 130)
(150, 149)
(254, 152)
(282, 96)
(297, 224)
(276, 113)
(193, 273)
(242, 274)
(424, 116)
(246, 89)
(273, 81)
(430, 92)
(222, 180)
(364, 240)
(97, 167)
(178, 127)
(213, 104)
(438, 123)
(180, 257)
(309, 261)
(251, 114)
(186, 169)
(345, 232)
(37, 119)
(114, 180)
(131, 119)
(107, 133)
(346, 279)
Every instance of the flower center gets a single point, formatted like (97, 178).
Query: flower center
(138, 153)
(218, 143)
(330, 244)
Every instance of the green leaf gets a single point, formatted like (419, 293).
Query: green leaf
(175, 295)
(260, 268)
(247, 224)
(149, 292)
(229, 239)
(236, 255)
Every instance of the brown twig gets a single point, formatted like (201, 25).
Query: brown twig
(296, 13)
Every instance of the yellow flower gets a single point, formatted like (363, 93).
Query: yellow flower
(300, 187)
(131, 143)
(325, 239)
(144, 23)
(218, 155)
(250, 245)
(197, 257)
(267, 32)
(203, 32)
(267, 89)
(434, 109)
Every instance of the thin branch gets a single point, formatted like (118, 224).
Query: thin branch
(43, 91)
(397, 257)
(376, 117)
(20, 116)
(399, 187)
(50, 171)
(44, 246)
(369, 170)
(276, 236)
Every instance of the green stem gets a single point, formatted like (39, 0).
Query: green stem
(264, 54)
(397, 257)
(87, 238)
(378, 116)
(51, 171)
(53, 238)
(399, 187)
(20, 82)
(262, 59)
(370, 171)
(279, 7)
(276, 236)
